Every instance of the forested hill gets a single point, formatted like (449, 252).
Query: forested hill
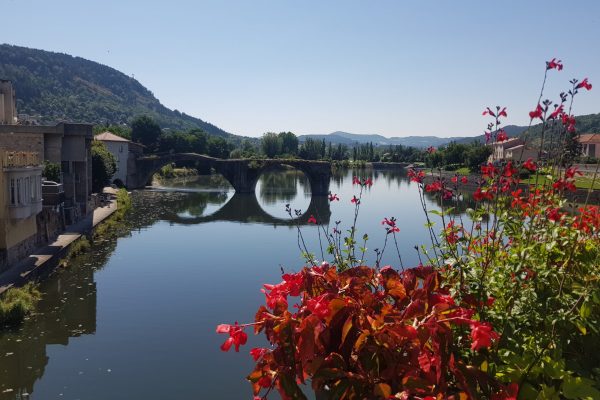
(60, 87)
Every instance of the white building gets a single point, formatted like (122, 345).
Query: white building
(119, 147)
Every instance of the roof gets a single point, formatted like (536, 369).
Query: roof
(510, 142)
(589, 138)
(110, 137)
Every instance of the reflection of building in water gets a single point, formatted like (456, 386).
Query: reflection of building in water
(67, 310)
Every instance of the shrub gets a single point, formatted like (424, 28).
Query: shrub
(505, 304)
(16, 303)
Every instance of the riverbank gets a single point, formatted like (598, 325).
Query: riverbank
(579, 196)
(47, 258)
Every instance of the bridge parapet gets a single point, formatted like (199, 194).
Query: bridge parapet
(242, 174)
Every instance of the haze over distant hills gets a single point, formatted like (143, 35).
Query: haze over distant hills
(585, 124)
(60, 87)
(351, 139)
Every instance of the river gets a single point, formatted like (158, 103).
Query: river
(135, 317)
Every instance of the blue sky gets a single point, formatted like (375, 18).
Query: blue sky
(396, 68)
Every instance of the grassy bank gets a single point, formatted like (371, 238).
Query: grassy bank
(114, 224)
(17, 303)
(171, 172)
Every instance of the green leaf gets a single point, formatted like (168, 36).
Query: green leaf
(577, 387)
(585, 311)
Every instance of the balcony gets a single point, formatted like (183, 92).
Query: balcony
(22, 211)
(19, 159)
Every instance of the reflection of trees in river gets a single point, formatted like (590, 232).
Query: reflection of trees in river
(67, 309)
(282, 185)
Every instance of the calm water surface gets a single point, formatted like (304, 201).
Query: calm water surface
(135, 318)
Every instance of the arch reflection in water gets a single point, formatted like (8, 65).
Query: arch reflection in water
(282, 185)
(196, 203)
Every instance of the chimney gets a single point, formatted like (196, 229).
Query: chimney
(8, 109)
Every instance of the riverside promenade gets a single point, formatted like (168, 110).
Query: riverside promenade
(46, 258)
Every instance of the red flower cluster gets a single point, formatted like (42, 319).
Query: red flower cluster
(501, 136)
(364, 182)
(333, 197)
(537, 113)
(501, 112)
(569, 122)
(554, 64)
(312, 219)
(584, 84)
(391, 225)
(416, 176)
(530, 165)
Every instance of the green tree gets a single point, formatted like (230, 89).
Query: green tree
(311, 149)
(104, 166)
(218, 147)
(289, 143)
(146, 131)
(476, 155)
(51, 171)
(271, 144)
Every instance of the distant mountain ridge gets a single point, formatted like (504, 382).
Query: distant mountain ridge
(585, 124)
(60, 87)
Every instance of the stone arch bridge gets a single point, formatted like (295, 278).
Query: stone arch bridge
(242, 174)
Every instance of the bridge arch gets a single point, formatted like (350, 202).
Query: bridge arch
(242, 174)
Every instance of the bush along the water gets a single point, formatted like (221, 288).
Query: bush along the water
(504, 305)
(16, 303)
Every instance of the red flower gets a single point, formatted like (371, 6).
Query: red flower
(434, 187)
(571, 172)
(529, 165)
(482, 335)
(509, 170)
(393, 229)
(454, 179)
(236, 337)
(355, 180)
(503, 113)
(488, 111)
(355, 200)
(554, 64)
(584, 84)
(537, 113)
(464, 180)
(480, 195)
(557, 111)
(333, 197)
(312, 220)
(389, 222)
(488, 171)
(502, 136)
(368, 182)
(416, 176)
(431, 149)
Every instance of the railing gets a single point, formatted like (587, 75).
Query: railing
(17, 159)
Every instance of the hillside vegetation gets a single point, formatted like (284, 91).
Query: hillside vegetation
(60, 87)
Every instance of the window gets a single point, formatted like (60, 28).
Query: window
(19, 200)
(26, 189)
(13, 192)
